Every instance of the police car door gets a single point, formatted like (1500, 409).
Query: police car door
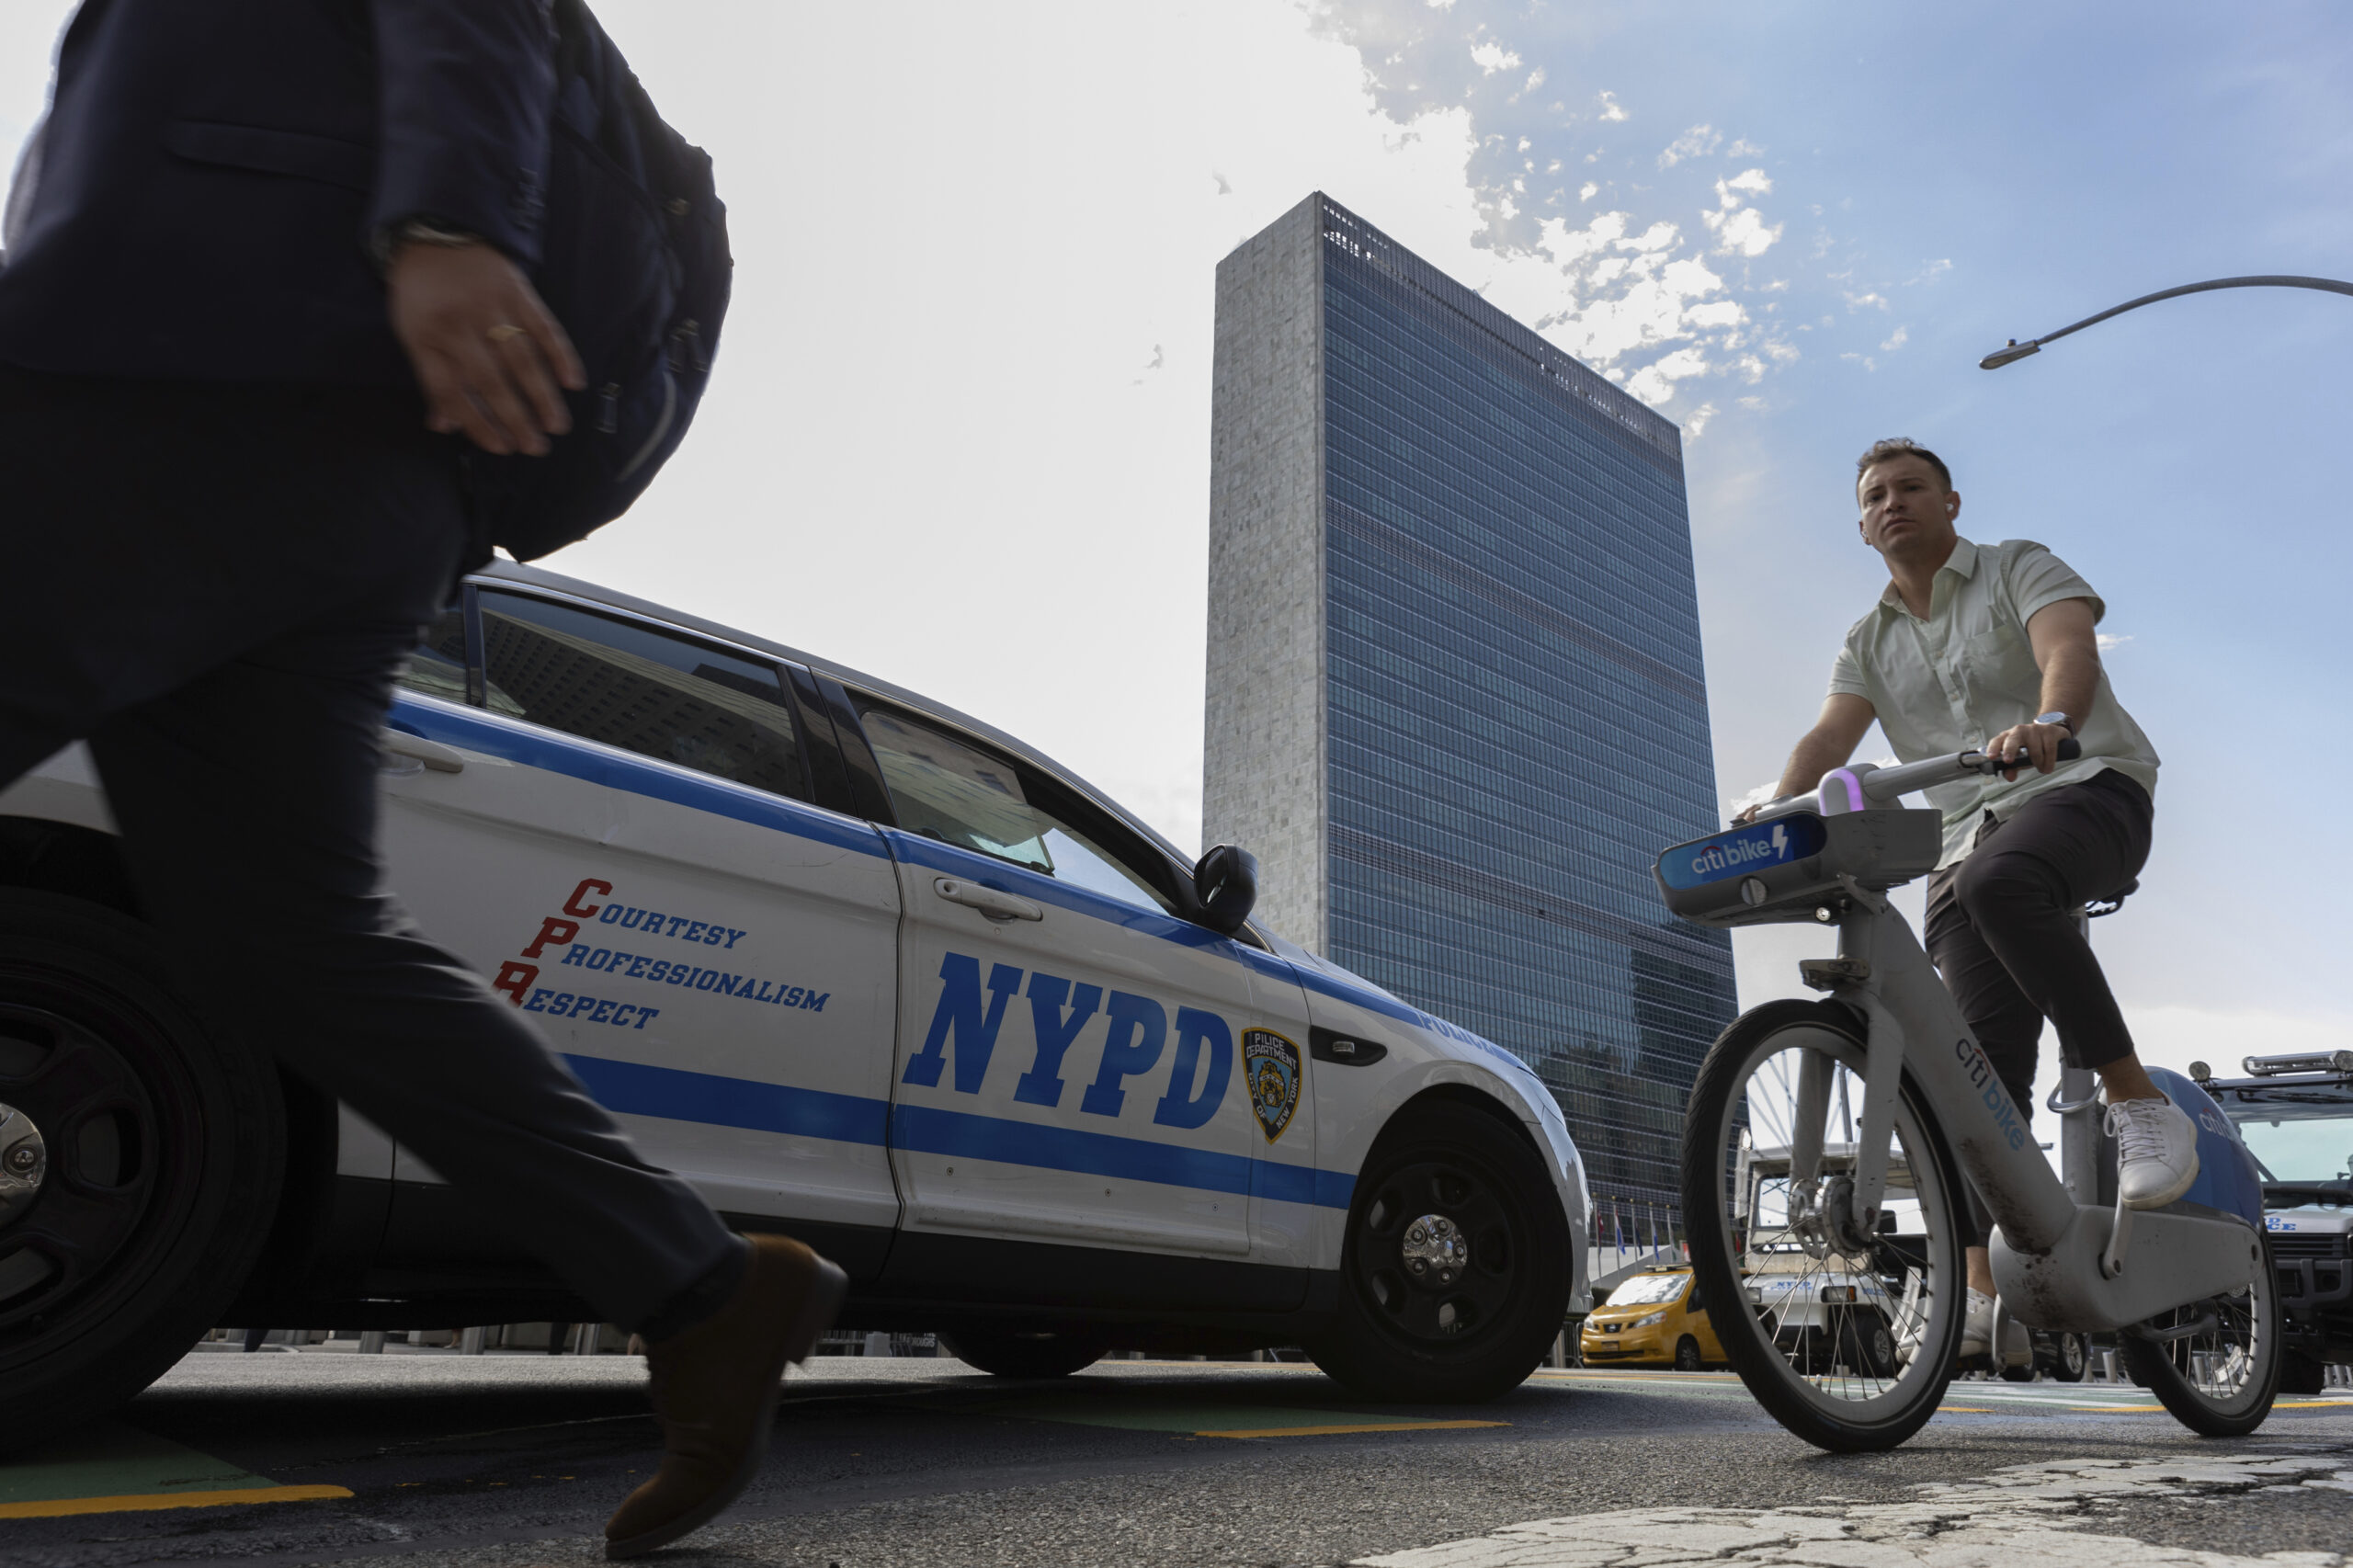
(1075, 1062)
(629, 854)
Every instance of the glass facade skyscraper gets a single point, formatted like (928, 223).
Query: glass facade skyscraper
(1456, 700)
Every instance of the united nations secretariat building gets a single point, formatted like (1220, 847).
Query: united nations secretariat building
(1455, 699)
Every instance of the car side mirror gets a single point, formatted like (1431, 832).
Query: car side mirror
(1226, 885)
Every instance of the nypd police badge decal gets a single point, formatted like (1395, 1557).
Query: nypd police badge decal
(1272, 1066)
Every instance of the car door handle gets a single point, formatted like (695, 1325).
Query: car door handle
(988, 900)
(435, 755)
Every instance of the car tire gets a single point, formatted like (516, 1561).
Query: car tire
(1867, 1344)
(2070, 1357)
(162, 1151)
(1006, 1353)
(1457, 1334)
(1687, 1356)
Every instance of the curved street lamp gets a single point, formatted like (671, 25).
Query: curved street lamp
(2015, 350)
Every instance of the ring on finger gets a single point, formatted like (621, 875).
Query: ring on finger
(503, 331)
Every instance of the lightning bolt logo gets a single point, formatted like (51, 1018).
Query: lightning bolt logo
(1780, 841)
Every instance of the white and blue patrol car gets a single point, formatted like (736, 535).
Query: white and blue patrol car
(868, 971)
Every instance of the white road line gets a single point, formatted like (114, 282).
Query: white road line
(2026, 1516)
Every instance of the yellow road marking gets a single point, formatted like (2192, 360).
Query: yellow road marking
(1965, 1409)
(1366, 1427)
(57, 1507)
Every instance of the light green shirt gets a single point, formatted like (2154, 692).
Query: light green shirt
(1954, 680)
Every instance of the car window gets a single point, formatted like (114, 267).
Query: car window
(438, 668)
(645, 690)
(2300, 1143)
(946, 789)
(1648, 1290)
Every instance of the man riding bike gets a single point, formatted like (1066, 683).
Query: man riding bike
(1991, 647)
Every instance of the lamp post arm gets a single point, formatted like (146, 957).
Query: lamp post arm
(2018, 350)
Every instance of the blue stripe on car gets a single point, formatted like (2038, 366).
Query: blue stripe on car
(593, 764)
(533, 747)
(635, 1088)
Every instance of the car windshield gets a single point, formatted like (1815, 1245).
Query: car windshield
(1648, 1290)
(2294, 1142)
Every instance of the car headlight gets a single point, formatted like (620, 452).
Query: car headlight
(1656, 1317)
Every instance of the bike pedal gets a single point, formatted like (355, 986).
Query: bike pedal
(1829, 974)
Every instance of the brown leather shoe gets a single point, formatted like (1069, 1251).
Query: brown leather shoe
(715, 1387)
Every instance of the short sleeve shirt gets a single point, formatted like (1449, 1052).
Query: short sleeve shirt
(1951, 681)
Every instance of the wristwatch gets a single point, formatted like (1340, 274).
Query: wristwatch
(2055, 717)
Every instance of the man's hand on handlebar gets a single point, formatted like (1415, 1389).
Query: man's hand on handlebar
(2035, 743)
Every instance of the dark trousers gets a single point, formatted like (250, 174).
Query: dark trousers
(214, 587)
(2001, 930)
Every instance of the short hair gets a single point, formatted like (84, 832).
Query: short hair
(1901, 447)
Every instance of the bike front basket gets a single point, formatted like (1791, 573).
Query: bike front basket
(1785, 868)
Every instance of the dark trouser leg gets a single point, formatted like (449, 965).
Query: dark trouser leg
(2006, 1025)
(230, 660)
(2001, 929)
(2022, 885)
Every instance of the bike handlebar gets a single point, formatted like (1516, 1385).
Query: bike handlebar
(1869, 785)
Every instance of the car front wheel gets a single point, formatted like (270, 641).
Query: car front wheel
(1456, 1268)
(140, 1163)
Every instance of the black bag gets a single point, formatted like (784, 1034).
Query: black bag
(634, 264)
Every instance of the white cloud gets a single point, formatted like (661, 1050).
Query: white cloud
(1756, 797)
(1654, 382)
(2109, 641)
(1695, 424)
(1491, 57)
(1740, 229)
(1587, 191)
(1856, 302)
(1895, 340)
(1743, 232)
(1696, 143)
(1610, 109)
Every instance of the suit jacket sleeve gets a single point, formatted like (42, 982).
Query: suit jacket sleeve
(464, 89)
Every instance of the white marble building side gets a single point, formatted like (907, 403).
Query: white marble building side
(1265, 749)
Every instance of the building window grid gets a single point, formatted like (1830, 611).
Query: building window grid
(1616, 1026)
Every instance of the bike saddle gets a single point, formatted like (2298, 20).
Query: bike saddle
(2096, 907)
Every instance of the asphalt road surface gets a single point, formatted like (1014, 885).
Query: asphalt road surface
(411, 1460)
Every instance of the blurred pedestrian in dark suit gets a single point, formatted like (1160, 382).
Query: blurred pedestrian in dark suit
(266, 267)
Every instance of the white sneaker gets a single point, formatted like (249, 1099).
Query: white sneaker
(1977, 1332)
(1977, 1324)
(2157, 1151)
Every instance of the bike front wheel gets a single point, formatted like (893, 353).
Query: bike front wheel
(1847, 1335)
(2217, 1368)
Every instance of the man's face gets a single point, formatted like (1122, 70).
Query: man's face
(1906, 508)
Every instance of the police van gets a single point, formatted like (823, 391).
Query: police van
(863, 970)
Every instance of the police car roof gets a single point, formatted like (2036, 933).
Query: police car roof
(540, 578)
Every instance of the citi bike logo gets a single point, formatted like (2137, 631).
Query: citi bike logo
(1982, 1078)
(1727, 856)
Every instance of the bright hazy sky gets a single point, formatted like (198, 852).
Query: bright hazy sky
(959, 431)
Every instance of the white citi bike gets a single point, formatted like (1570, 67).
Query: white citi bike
(1828, 1146)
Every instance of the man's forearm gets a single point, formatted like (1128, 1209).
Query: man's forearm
(2071, 685)
(1815, 753)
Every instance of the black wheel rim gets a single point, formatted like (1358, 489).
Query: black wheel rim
(124, 1129)
(1436, 1307)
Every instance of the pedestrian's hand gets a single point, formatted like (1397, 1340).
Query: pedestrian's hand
(487, 354)
(2037, 742)
(1745, 815)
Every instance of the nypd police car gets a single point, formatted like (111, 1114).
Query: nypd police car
(861, 968)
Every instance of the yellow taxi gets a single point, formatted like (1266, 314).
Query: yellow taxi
(1654, 1317)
